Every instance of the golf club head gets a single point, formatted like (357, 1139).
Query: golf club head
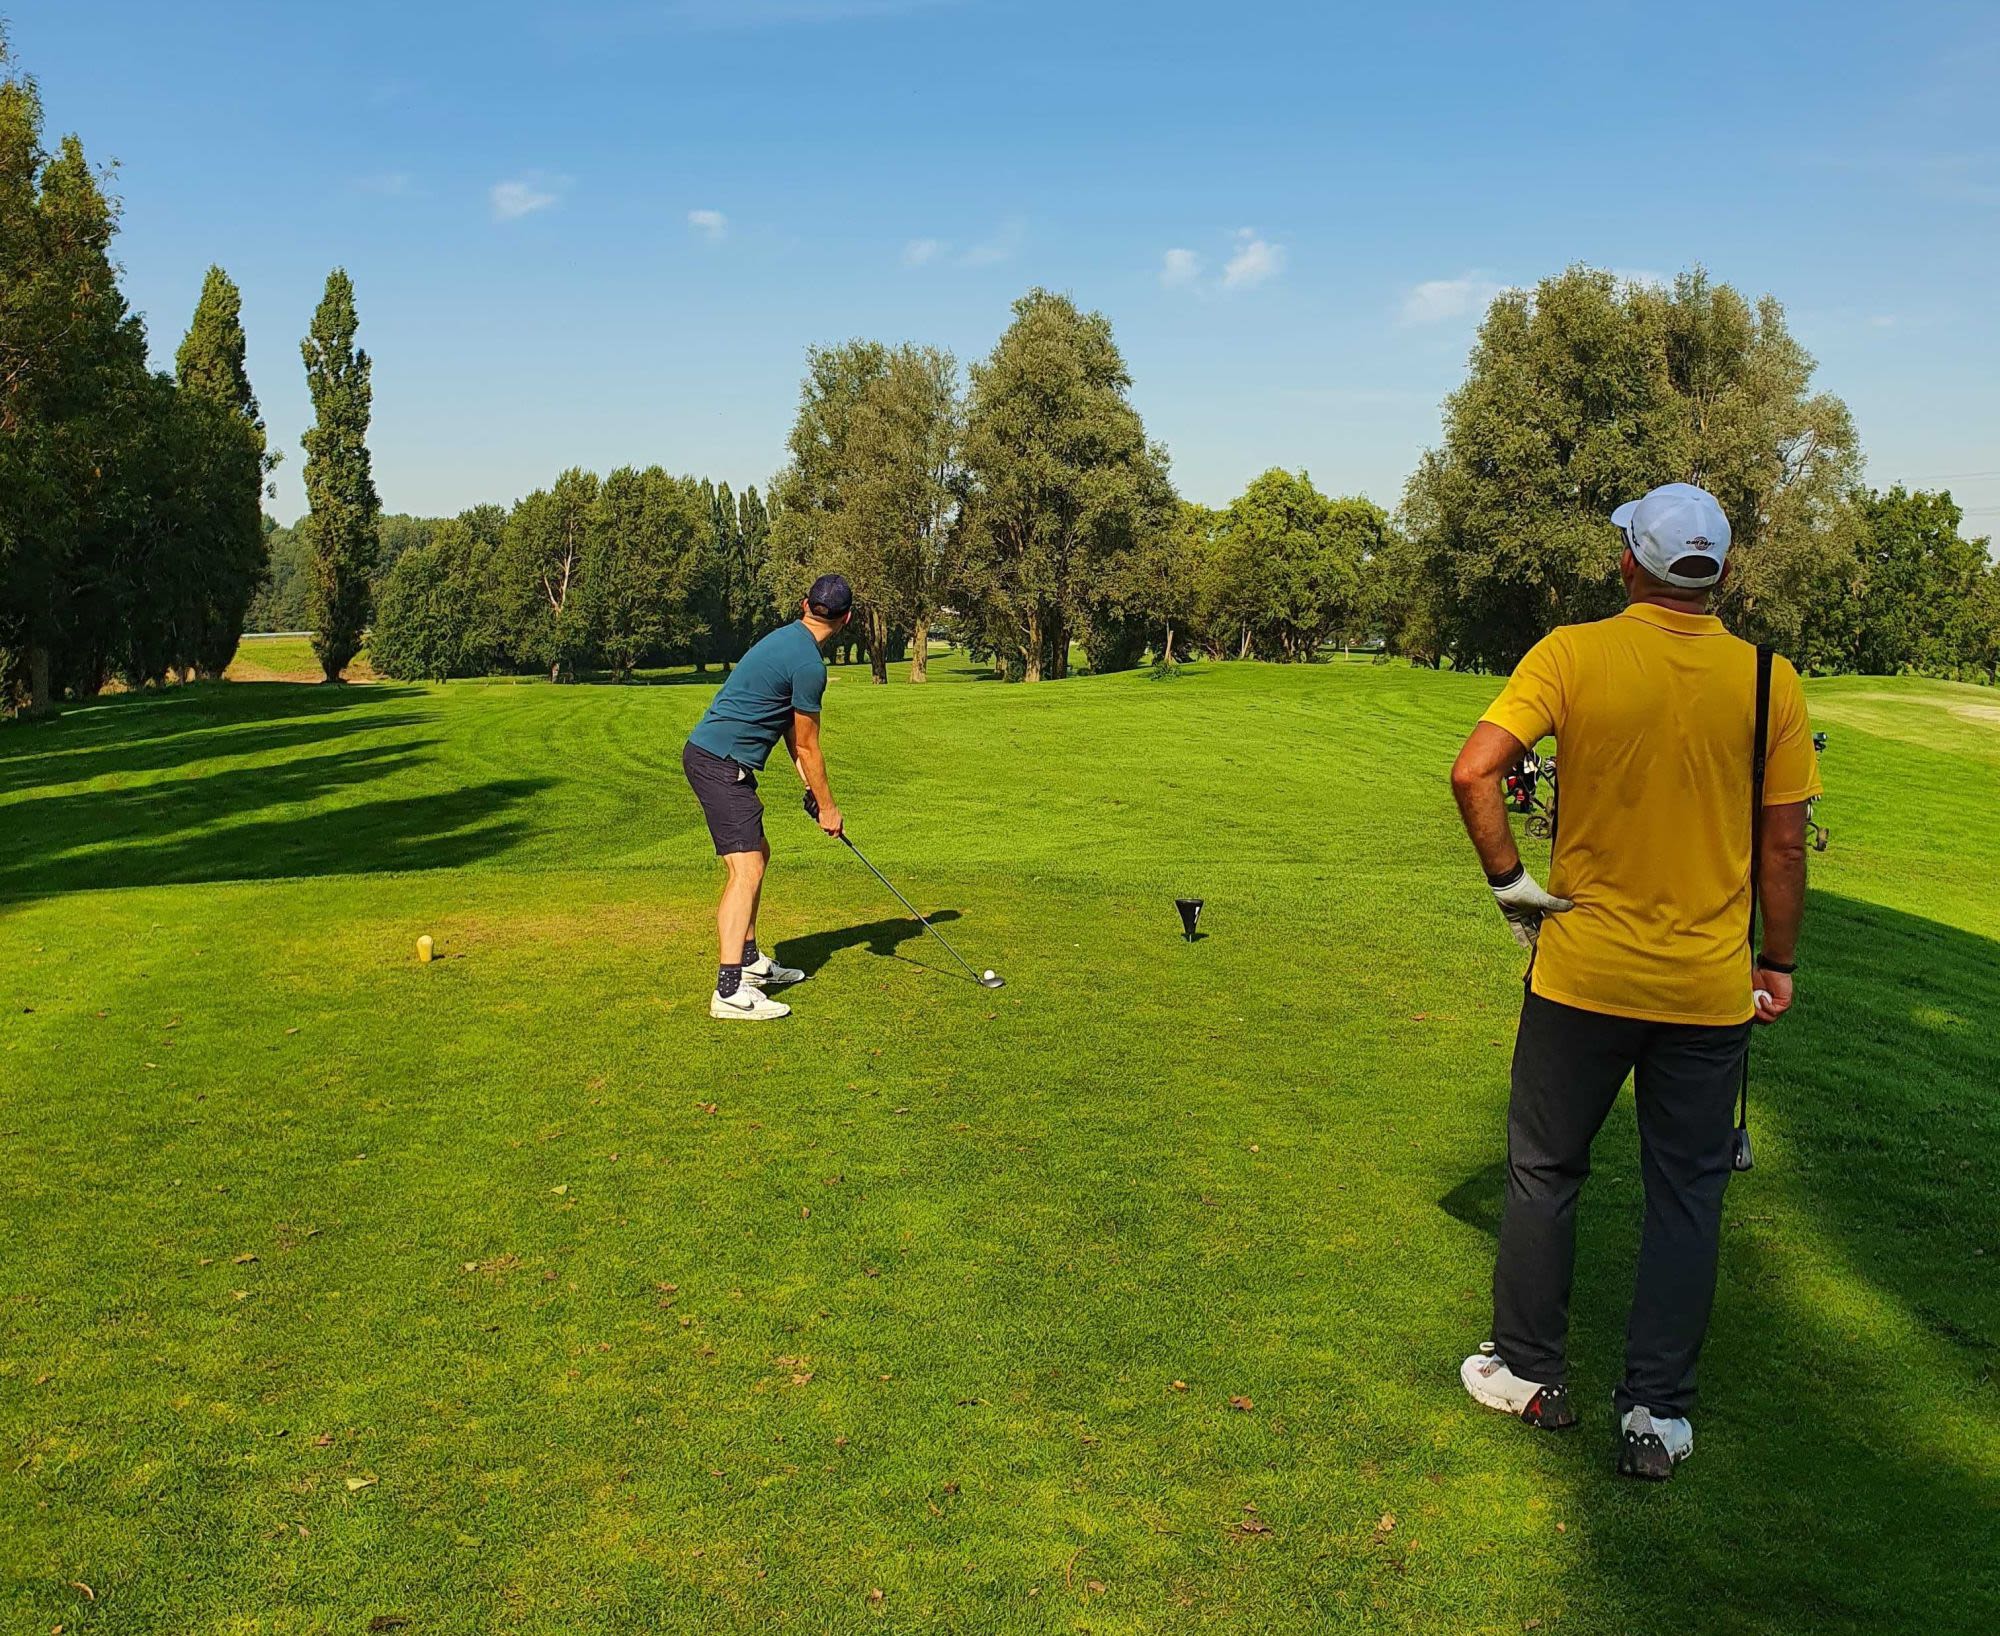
(992, 980)
(1739, 1155)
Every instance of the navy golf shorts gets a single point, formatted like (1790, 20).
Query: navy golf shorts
(727, 791)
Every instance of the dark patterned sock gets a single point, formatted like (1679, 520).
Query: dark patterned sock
(728, 979)
(749, 951)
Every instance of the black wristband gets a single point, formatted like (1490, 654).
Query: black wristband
(1497, 882)
(1784, 968)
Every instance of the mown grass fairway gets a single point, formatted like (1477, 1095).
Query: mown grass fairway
(511, 1293)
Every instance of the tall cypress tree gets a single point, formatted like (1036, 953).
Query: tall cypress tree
(216, 387)
(340, 487)
(753, 529)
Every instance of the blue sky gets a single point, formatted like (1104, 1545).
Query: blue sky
(606, 231)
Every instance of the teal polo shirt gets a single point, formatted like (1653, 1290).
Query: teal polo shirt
(780, 674)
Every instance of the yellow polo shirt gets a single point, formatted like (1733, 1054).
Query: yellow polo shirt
(1653, 714)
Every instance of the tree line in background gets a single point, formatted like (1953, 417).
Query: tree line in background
(1021, 510)
(1017, 508)
(131, 540)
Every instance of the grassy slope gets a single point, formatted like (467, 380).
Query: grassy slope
(628, 1319)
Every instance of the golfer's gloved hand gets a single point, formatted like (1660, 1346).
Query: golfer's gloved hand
(1523, 902)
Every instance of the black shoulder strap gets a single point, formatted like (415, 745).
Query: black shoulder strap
(1759, 749)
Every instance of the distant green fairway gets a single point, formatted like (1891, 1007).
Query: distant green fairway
(510, 1293)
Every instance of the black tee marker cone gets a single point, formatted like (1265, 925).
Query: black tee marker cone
(1190, 909)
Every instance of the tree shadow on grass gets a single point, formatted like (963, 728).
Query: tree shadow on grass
(156, 732)
(250, 819)
(1843, 1481)
(880, 937)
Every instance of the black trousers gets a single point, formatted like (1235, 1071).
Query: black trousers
(1568, 1068)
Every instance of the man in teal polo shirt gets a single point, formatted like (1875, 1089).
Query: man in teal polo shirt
(773, 693)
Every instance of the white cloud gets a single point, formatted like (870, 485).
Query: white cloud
(1002, 246)
(1256, 261)
(524, 195)
(1439, 300)
(1179, 268)
(711, 224)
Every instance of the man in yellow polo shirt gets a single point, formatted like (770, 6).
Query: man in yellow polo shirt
(1641, 962)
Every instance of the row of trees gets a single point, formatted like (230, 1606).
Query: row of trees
(1027, 510)
(1590, 390)
(638, 568)
(1021, 508)
(130, 535)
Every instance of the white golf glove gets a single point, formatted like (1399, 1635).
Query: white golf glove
(1523, 902)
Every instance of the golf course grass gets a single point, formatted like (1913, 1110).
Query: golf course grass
(511, 1293)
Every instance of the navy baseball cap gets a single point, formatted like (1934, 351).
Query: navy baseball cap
(1679, 534)
(831, 595)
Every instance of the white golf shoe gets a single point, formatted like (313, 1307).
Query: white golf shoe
(767, 973)
(747, 1004)
(1650, 1447)
(1491, 1382)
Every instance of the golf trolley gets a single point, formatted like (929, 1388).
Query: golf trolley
(1522, 786)
(1819, 832)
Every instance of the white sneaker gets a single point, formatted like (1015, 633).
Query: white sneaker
(767, 973)
(1651, 1447)
(1492, 1383)
(747, 1004)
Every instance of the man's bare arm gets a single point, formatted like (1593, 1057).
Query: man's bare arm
(1475, 785)
(1781, 893)
(802, 740)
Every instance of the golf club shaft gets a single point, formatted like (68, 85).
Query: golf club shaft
(907, 904)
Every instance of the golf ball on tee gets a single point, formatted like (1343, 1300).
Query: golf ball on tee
(989, 974)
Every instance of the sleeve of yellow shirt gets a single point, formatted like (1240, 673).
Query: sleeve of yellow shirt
(1530, 706)
(1791, 770)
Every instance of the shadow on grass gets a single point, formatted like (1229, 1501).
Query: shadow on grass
(156, 732)
(1843, 1481)
(884, 938)
(206, 826)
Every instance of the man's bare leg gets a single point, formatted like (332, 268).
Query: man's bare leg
(757, 898)
(737, 916)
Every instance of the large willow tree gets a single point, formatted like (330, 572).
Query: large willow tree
(1586, 392)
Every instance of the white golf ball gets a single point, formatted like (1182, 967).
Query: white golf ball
(989, 974)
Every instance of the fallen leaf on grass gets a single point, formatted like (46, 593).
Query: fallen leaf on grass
(1387, 1523)
(356, 1484)
(89, 1595)
(1253, 1525)
(324, 1440)
(563, 1188)
(875, 1595)
(387, 1621)
(1242, 1405)
(1094, 1586)
(245, 1258)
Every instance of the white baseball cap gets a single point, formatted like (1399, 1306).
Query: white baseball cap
(1678, 533)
